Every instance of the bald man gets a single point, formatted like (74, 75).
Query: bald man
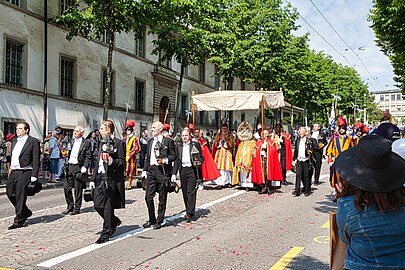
(79, 158)
(158, 170)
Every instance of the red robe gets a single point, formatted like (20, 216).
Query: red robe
(288, 151)
(257, 164)
(274, 172)
(209, 170)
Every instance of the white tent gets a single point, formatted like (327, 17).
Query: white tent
(238, 100)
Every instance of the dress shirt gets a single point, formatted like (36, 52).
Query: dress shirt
(315, 135)
(15, 155)
(186, 160)
(301, 150)
(74, 154)
(153, 160)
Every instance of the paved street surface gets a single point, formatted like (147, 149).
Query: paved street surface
(235, 230)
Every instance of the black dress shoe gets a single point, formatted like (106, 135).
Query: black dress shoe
(148, 224)
(306, 194)
(296, 194)
(157, 226)
(67, 211)
(75, 213)
(114, 229)
(16, 226)
(103, 239)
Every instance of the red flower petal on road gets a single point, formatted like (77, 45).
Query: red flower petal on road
(17, 250)
(218, 250)
(245, 253)
(198, 237)
(240, 246)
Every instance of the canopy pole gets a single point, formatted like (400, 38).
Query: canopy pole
(262, 105)
(263, 141)
(193, 110)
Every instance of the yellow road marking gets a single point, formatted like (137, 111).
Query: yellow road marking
(326, 225)
(1, 268)
(322, 239)
(286, 259)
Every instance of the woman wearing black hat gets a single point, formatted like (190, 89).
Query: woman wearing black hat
(371, 205)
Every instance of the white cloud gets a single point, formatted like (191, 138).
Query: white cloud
(349, 18)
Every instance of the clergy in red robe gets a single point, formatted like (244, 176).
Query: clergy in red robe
(285, 150)
(209, 170)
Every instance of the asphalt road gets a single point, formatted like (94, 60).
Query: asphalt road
(235, 230)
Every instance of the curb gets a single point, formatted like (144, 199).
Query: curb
(44, 186)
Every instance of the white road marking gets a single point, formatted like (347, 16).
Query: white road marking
(92, 247)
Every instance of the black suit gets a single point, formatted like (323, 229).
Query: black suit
(19, 179)
(321, 141)
(158, 178)
(188, 175)
(84, 159)
(109, 193)
(302, 167)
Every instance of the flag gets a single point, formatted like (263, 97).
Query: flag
(332, 116)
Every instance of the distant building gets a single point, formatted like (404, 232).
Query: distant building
(392, 101)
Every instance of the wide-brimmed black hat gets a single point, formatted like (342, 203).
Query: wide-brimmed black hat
(33, 188)
(82, 177)
(173, 187)
(371, 165)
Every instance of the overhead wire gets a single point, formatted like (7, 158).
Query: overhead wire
(344, 41)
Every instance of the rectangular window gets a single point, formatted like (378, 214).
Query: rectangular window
(201, 72)
(242, 85)
(15, 2)
(202, 115)
(398, 96)
(381, 98)
(14, 63)
(185, 71)
(217, 78)
(104, 86)
(106, 37)
(140, 45)
(66, 77)
(9, 127)
(65, 4)
(387, 97)
(392, 97)
(184, 107)
(140, 96)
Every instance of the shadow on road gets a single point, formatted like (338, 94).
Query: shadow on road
(304, 262)
(326, 206)
(44, 219)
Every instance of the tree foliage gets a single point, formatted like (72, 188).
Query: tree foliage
(388, 23)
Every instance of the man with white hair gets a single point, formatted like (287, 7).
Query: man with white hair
(157, 170)
(78, 162)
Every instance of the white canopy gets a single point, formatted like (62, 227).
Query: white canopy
(237, 100)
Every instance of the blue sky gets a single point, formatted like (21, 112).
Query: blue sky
(349, 18)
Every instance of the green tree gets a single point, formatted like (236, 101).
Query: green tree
(93, 18)
(388, 20)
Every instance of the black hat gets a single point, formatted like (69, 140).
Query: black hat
(82, 177)
(33, 188)
(371, 165)
(173, 187)
(388, 131)
(87, 195)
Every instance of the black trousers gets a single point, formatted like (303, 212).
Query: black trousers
(71, 183)
(156, 183)
(188, 181)
(103, 204)
(15, 189)
(301, 176)
(316, 167)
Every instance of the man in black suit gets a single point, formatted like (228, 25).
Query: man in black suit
(108, 180)
(303, 154)
(320, 138)
(78, 162)
(25, 156)
(189, 160)
(157, 170)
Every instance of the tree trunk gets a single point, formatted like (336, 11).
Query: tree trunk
(178, 96)
(107, 97)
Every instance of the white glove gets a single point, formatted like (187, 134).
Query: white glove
(83, 169)
(166, 161)
(33, 179)
(293, 163)
(225, 145)
(144, 175)
(173, 178)
(110, 160)
(92, 185)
